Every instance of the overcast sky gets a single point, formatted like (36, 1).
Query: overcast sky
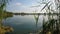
(24, 6)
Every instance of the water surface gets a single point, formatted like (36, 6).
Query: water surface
(28, 23)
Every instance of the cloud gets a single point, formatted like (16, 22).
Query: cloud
(18, 4)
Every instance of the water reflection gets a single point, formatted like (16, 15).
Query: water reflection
(50, 24)
(36, 17)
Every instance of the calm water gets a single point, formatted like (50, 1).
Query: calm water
(25, 24)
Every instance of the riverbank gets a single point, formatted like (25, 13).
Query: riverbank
(5, 29)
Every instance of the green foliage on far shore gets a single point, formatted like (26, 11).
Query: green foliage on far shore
(5, 14)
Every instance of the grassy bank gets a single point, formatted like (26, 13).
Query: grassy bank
(5, 29)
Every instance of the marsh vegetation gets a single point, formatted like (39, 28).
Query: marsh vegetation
(31, 23)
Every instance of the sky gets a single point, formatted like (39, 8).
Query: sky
(17, 6)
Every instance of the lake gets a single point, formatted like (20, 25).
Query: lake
(26, 24)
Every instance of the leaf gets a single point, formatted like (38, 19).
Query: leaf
(49, 6)
(58, 7)
(45, 5)
(52, 10)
